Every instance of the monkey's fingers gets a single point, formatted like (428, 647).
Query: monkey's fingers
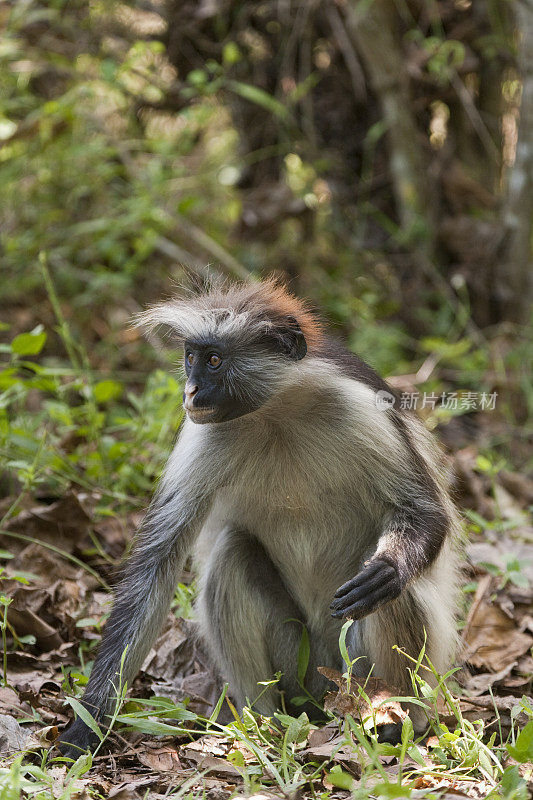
(357, 607)
(363, 606)
(375, 585)
(372, 569)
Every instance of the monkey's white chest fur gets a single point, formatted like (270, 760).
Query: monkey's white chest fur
(298, 490)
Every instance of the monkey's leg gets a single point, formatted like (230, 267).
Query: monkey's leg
(253, 627)
(423, 616)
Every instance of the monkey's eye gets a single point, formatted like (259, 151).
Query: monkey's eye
(214, 360)
(190, 359)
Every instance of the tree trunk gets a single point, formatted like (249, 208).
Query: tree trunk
(514, 284)
(373, 28)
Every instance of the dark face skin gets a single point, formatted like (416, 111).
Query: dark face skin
(206, 397)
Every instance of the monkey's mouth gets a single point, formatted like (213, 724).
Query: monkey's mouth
(200, 414)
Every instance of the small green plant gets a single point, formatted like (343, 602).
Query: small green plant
(5, 602)
(511, 572)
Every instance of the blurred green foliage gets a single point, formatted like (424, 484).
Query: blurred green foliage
(121, 195)
(86, 181)
(90, 433)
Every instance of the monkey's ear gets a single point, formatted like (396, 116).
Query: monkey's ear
(292, 339)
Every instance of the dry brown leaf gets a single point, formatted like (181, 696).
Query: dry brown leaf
(349, 700)
(478, 684)
(264, 796)
(124, 793)
(520, 486)
(27, 622)
(13, 736)
(181, 668)
(500, 704)
(209, 753)
(333, 750)
(63, 523)
(492, 640)
(498, 551)
(44, 737)
(213, 764)
(114, 533)
(127, 789)
(173, 652)
(320, 736)
(10, 703)
(29, 682)
(162, 759)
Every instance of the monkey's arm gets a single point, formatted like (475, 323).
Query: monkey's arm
(142, 601)
(409, 545)
(144, 595)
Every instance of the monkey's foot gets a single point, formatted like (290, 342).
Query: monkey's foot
(390, 733)
(377, 584)
(76, 740)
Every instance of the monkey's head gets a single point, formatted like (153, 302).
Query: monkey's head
(240, 343)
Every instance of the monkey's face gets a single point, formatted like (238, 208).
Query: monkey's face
(225, 381)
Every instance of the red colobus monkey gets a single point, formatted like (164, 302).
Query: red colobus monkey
(302, 499)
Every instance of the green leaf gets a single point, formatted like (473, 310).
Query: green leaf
(216, 710)
(519, 579)
(304, 651)
(236, 758)
(476, 518)
(483, 463)
(340, 779)
(391, 790)
(80, 678)
(28, 639)
(197, 77)
(260, 98)
(342, 642)
(88, 622)
(29, 344)
(513, 785)
(104, 391)
(9, 377)
(492, 569)
(522, 751)
(85, 715)
(407, 733)
(297, 729)
(231, 54)
(300, 700)
(179, 714)
(149, 726)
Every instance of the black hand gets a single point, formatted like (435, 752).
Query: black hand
(375, 585)
(76, 740)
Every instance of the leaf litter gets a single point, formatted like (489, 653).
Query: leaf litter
(56, 578)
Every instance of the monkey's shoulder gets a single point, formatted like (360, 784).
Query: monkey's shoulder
(351, 365)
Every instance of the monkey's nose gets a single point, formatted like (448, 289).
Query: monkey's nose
(189, 393)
